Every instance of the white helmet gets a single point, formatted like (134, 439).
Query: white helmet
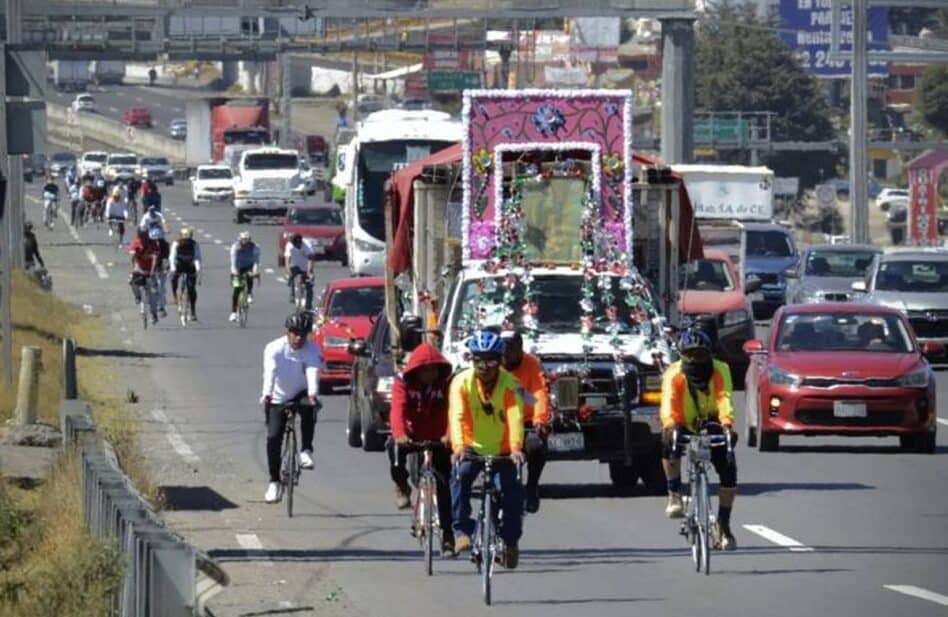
(244, 236)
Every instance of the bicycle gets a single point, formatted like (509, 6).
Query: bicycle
(487, 546)
(50, 210)
(290, 453)
(425, 520)
(184, 299)
(243, 302)
(302, 289)
(148, 297)
(117, 232)
(696, 526)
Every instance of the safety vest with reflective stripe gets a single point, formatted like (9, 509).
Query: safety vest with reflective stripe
(680, 407)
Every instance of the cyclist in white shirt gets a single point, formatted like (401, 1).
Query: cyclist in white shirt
(291, 366)
(116, 209)
(298, 255)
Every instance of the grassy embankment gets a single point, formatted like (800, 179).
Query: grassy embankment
(49, 564)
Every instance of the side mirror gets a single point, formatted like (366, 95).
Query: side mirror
(859, 287)
(752, 284)
(790, 273)
(357, 347)
(933, 349)
(754, 346)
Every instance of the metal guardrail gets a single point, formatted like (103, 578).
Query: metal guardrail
(165, 576)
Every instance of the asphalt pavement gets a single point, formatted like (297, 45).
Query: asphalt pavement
(828, 526)
(165, 103)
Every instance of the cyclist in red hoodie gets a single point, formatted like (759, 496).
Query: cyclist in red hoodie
(419, 412)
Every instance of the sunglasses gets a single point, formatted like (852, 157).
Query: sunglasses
(487, 362)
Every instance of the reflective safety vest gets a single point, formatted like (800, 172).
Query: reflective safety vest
(679, 404)
(471, 426)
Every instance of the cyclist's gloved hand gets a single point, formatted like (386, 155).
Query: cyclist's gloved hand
(457, 457)
(518, 457)
(402, 440)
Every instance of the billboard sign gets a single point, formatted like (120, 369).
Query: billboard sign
(806, 26)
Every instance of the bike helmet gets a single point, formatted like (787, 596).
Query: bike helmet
(299, 323)
(244, 236)
(153, 208)
(694, 339)
(185, 233)
(485, 342)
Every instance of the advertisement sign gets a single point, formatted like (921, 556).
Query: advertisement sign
(923, 222)
(787, 186)
(806, 26)
(448, 81)
(729, 191)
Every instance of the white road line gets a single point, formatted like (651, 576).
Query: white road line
(208, 236)
(918, 592)
(127, 342)
(116, 316)
(139, 99)
(72, 230)
(159, 415)
(250, 542)
(778, 538)
(114, 110)
(270, 270)
(942, 421)
(200, 231)
(174, 438)
(218, 242)
(99, 268)
(281, 279)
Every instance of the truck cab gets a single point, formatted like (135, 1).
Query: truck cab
(267, 182)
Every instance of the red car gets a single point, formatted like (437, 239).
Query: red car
(138, 116)
(841, 369)
(345, 312)
(322, 225)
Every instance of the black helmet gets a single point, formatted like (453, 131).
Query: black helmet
(299, 323)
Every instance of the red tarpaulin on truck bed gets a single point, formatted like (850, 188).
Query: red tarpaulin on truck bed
(399, 259)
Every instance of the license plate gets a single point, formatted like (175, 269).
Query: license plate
(849, 409)
(319, 249)
(566, 442)
(757, 296)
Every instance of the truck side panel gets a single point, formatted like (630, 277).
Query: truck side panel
(237, 114)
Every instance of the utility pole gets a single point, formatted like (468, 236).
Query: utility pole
(858, 180)
(10, 244)
(678, 68)
(286, 92)
(355, 73)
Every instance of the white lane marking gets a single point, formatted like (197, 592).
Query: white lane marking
(127, 342)
(208, 236)
(174, 438)
(269, 270)
(218, 242)
(286, 604)
(918, 592)
(942, 421)
(250, 542)
(778, 538)
(72, 230)
(139, 99)
(114, 110)
(99, 268)
(281, 279)
(200, 231)
(116, 316)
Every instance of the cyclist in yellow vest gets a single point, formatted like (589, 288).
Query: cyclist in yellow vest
(485, 418)
(698, 387)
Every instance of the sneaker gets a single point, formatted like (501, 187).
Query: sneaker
(306, 459)
(511, 556)
(233, 316)
(675, 507)
(533, 500)
(154, 318)
(447, 546)
(402, 497)
(163, 312)
(462, 543)
(723, 538)
(249, 298)
(274, 490)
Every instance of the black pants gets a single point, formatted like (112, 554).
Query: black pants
(726, 470)
(534, 447)
(276, 424)
(441, 461)
(236, 294)
(190, 279)
(295, 272)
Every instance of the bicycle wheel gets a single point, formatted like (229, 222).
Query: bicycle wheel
(289, 472)
(144, 313)
(694, 532)
(487, 545)
(184, 304)
(426, 497)
(704, 523)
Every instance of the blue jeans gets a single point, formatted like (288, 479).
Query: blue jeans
(511, 500)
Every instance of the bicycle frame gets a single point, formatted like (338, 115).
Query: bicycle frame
(184, 299)
(243, 306)
(426, 522)
(148, 303)
(290, 466)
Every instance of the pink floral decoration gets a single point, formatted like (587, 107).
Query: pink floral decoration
(482, 239)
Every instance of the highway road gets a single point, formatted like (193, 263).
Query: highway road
(842, 527)
(164, 103)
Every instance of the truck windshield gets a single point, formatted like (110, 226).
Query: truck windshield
(271, 161)
(705, 275)
(246, 136)
(376, 163)
(557, 300)
(96, 158)
(769, 244)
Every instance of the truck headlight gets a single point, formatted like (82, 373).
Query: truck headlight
(384, 386)
(916, 379)
(652, 389)
(732, 318)
(780, 377)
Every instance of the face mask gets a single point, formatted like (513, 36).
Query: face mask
(698, 373)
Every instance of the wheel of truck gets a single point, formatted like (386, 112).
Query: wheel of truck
(769, 442)
(354, 421)
(281, 261)
(750, 435)
(239, 218)
(623, 476)
(371, 440)
(653, 475)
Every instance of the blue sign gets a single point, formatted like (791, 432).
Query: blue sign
(806, 26)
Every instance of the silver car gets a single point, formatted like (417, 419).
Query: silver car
(178, 128)
(826, 272)
(155, 168)
(915, 282)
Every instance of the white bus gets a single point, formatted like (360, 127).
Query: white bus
(386, 141)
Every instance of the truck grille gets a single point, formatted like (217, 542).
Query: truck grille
(767, 278)
(271, 185)
(600, 383)
(929, 324)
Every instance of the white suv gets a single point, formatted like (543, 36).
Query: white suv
(212, 183)
(92, 161)
(120, 166)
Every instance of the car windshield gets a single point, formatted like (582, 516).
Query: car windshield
(122, 160)
(155, 161)
(913, 276)
(271, 161)
(85, 98)
(845, 264)
(96, 158)
(63, 157)
(771, 243)
(353, 301)
(843, 332)
(315, 216)
(556, 298)
(705, 275)
(214, 174)
(179, 122)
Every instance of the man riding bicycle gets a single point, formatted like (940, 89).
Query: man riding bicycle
(116, 210)
(536, 410)
(298, 257)
(419, 412)
(244, 259)
(291, 366)
(695, 389)
(485, 414)
(185, 261)
(146, 255)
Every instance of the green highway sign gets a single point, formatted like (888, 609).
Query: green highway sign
(446, 81)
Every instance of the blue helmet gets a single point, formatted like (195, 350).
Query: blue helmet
(694, 338)
(485, 341)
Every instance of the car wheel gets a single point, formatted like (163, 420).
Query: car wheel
(324, 388)
(281, 261)
(239, 218)
(750, 435)
(926, 443)
(371, 440)
(354, 420)
(769, 442)
(623, 476)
